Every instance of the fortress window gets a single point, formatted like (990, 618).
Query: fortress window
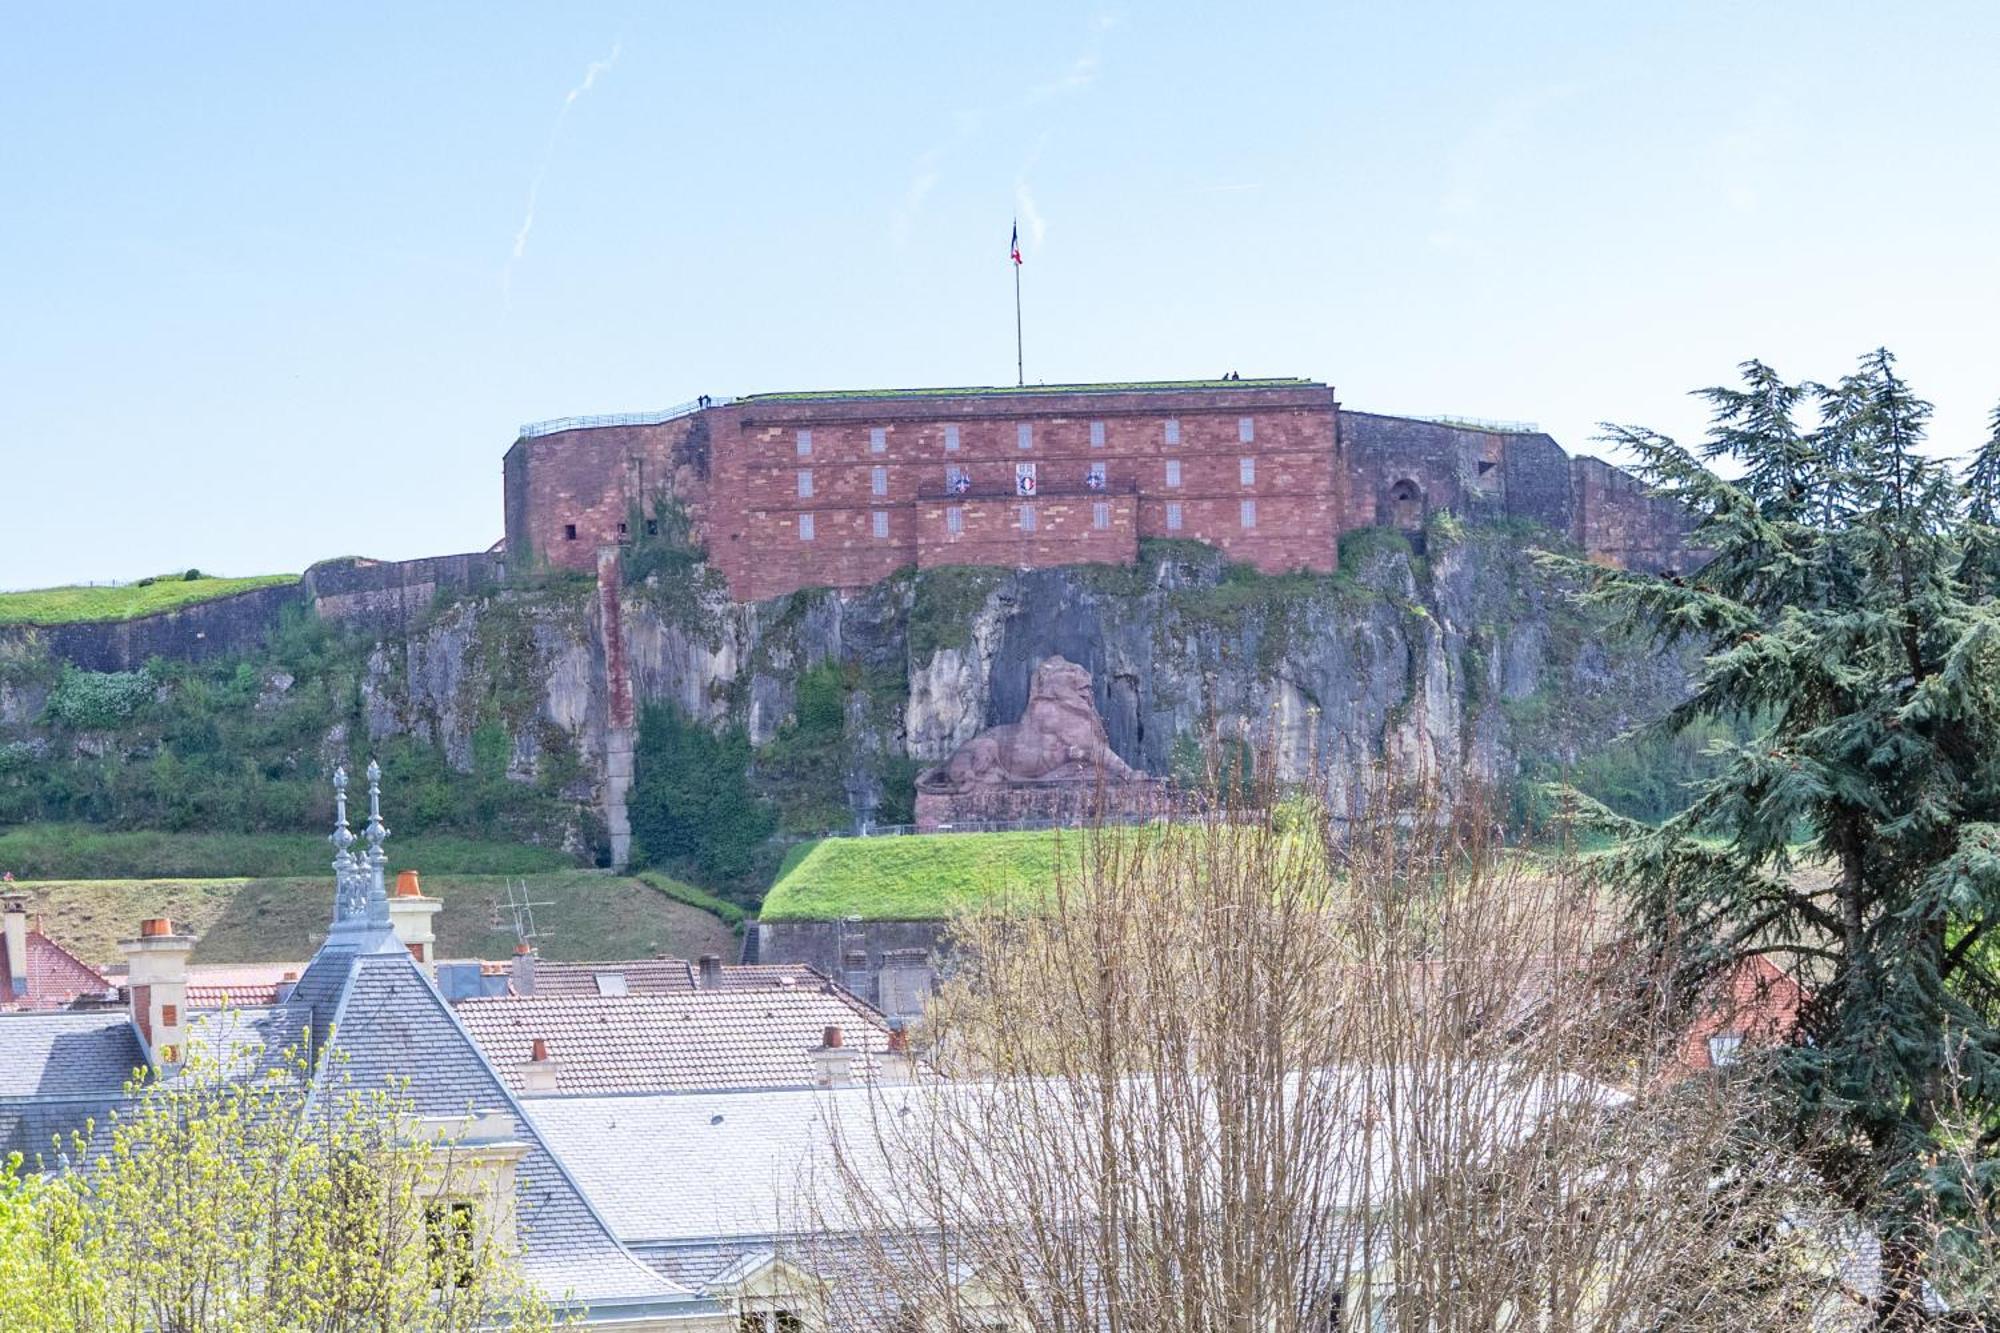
(1246, 429)
(1249, 513)
(1100, 514)
(569, 532)
(805, 483)
(1027, 518)
(1246, 471)
(951, 439)
(805, 527)
(881, 523)
(805, 444)
(878, 439)
(1094, 478)
(652, 527)
(1173, 430)
(1173, 516)
(954, 520)
(622, 531)
(1024, 435)
(878, 481)
(1173, 472)
(1097, 434)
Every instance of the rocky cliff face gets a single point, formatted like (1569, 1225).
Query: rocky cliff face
(1467, 660)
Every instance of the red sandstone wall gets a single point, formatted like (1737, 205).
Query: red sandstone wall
(1317, 472)
(590, 479)
(1619, 523)
(756, 499)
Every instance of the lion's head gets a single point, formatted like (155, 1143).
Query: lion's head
(1061, 681)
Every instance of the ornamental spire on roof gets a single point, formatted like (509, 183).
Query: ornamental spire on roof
(350, 890)
(360, 874)
(378, 861)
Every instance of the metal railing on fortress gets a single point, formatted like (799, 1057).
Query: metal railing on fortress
(1492, 424)
(558, 425)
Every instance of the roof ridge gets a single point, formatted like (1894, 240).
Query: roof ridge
(61, 948)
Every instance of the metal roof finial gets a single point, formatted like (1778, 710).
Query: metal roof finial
(377, 860)
(349, 894)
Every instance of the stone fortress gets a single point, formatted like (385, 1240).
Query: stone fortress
(840, 489)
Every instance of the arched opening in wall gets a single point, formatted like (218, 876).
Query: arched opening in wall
(1406, 505)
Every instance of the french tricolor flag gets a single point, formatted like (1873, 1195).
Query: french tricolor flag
(1014, 245)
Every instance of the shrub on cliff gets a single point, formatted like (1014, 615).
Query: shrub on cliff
(691, 806)
(97, 700)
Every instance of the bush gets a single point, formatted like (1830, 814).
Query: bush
(97, 700)
(691, 804)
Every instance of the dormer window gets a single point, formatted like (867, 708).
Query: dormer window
(450, 1240)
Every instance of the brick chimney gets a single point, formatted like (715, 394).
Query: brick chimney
(156, 979)
(524, 968)
(711, 971)
(410, 914)
(14, 943)
(538, 1075)
(898, 1065)
(832, 1062)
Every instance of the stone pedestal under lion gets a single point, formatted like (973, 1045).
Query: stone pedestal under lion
(1055, 764)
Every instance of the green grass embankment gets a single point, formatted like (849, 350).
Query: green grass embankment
(66, 606)
(82, 851)
(922, 877)
(580, 915)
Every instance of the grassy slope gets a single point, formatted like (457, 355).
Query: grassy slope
(62, 606)
(591, 915)
(918, 878)
(80, 851)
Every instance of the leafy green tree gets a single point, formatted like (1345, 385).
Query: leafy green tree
(1856, 833)
(691, 804)
(229, 1203)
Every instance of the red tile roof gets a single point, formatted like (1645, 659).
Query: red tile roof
(663, 976)
(731, 1038)
(1757, 1004)
(57, 978)
(237, 985)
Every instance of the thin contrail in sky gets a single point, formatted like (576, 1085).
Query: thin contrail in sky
(590, 73)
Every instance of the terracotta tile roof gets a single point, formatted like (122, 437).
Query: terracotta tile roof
(237, 985)
(661, 976)
(57, 978)
(1754, 1005)
(662, 1043)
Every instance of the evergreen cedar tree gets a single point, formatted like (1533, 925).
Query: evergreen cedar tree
(1851, 613)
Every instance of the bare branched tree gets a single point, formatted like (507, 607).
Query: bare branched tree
(1265, 1069)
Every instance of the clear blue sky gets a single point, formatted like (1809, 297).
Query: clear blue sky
(279, 284)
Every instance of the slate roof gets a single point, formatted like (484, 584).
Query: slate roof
(71, 1054)
(59, 1073)
(388, 1024)
(56, 977)
(741, 1168)
(675, 1042)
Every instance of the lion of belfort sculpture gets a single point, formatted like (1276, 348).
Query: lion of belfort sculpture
(1022, 770)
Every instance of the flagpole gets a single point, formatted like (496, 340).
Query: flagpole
(1020, 374)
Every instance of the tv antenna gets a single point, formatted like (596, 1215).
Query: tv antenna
(522, 909)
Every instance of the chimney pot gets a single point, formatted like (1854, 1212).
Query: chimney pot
(538, 1075)
(521, 947)
(899, 1041)
(154, 926)
(832, 1037)
(407, 885)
